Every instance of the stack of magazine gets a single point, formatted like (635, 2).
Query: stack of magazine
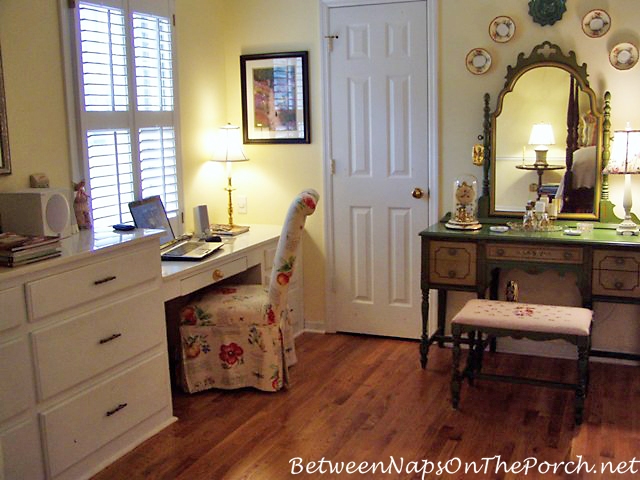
(18, 249)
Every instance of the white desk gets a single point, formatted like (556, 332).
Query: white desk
(239, 254)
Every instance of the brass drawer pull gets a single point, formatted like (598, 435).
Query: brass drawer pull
(453, 252)
(618, 285)
(217, 274)
(104, 280)
(500, 252)
(619, 260)
(116, 410)
(452, 274)
(110, 338)
(568, 255)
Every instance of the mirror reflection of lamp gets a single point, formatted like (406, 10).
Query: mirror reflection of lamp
(541, 137)
(625, 159)
(229, 150)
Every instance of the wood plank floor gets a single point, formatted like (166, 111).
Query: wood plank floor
(365, 399)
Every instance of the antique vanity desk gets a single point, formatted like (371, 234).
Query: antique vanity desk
(606, 265)
(549, 85)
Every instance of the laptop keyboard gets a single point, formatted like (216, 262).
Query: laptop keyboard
(184, 248)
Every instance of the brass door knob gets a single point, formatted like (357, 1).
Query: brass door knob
(417, 193)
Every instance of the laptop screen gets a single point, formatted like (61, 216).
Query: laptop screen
(150, 213)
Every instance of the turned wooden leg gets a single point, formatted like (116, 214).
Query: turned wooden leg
(456, 376)
(583, 379)
(471, 357)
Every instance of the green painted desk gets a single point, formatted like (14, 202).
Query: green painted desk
(606, 265)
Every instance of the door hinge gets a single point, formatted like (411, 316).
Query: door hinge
(174, 19)
(333, 167)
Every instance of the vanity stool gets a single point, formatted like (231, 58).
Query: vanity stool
(497, 318)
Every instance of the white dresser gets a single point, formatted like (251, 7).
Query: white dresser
(83, 356)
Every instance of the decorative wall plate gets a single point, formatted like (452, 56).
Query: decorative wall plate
(596, 23)
(478, 61)
(547, 12)
(623, 56)
(501, 29)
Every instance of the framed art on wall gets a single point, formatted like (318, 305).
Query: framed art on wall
(275, 98)
(5, 158)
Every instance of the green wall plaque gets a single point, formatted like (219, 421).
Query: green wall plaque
(547, 12)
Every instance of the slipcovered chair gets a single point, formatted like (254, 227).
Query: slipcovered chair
(237, 336)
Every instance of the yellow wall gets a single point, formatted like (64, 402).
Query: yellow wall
(464, 25)
(34, 88)
(212, 34)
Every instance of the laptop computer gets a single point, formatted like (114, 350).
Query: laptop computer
(150, 213)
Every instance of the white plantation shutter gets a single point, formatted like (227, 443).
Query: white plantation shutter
(127, 105)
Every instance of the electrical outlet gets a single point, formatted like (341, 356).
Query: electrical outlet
(241, 203)
(533, 187)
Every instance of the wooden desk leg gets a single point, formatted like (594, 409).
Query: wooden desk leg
(442, 316)
(424, 340)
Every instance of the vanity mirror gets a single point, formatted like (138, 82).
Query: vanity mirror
(545, 137)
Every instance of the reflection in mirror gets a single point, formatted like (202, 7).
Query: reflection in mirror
(550, 89)
(5, 159)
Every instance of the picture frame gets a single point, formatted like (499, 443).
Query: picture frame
(275, 98)
(5, 157)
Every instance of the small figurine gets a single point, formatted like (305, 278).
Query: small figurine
(81, 206)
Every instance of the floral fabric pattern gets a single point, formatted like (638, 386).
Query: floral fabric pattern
(240, 336)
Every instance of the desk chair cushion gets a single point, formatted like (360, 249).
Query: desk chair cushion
(527, 317)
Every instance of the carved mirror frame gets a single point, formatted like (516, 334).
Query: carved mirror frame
(545, 54)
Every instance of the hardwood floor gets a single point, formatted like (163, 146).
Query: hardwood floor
(365, 399)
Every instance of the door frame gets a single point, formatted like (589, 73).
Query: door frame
(432, 138)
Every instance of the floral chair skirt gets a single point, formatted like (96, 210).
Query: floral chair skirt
(234, 351)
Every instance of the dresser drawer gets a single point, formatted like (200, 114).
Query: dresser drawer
(96, 341)
(534, 253)
(83, 424)
(16, 385)
(452, 263)
(14, 309)
(212, 275)
(64, 290)
(614, 260)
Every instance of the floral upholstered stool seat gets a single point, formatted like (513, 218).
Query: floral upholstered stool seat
(496, 318)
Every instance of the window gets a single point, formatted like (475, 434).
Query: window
(125, 71)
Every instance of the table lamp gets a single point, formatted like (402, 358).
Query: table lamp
(625, 159)
(541, 136)
(228, 149)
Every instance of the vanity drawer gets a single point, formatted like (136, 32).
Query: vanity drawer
(534, 253)
(616, 273)
(65, 290)
(452, 263)
(616, 283)
(613, 260)
(14, 309)
(86, 422)
(96, 341)
(212, 275)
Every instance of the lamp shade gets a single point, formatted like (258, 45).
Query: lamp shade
(542, 134)
(228, 147)
(625, 152)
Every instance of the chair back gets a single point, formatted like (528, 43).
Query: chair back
(286, 251)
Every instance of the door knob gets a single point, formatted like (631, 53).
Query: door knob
(417, 193)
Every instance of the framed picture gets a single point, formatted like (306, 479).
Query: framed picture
(5, 158)
(275, 98)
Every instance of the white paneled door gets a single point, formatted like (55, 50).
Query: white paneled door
(379, 143)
